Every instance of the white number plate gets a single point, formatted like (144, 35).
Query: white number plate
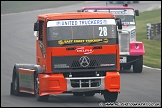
(123, 60)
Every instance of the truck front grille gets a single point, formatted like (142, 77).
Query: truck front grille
(124, 40)
(93, 63)
(76, 62)
(81, 83)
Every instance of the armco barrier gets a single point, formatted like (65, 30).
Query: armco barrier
(153, 30)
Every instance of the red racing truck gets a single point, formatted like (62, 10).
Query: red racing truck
(76, 53)
(131, 51)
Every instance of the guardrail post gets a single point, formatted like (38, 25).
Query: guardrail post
(148, 31)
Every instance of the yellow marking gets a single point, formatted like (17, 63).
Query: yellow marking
(78, 41)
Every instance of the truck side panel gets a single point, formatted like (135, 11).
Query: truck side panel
(26, 80)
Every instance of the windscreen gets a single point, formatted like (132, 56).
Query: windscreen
(126, 15)
(72, 32)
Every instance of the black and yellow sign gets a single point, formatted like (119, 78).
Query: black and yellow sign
(61, 42)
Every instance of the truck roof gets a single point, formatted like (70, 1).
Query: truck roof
(107, 7)
(75, 15)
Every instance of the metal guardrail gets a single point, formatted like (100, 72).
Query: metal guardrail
(153, 30)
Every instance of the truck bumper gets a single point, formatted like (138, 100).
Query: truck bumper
(51, 84)
(112, 81)
(57, 84)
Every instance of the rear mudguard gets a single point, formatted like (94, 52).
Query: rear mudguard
(19, 71)
(17, 66)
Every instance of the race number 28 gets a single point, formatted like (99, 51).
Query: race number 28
(103, 31)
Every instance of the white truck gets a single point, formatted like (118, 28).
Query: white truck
(131, 51)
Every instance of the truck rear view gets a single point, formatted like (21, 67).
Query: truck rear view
(76, 53)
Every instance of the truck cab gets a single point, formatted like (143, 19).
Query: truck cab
(76, 53)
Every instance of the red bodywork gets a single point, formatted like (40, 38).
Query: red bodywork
(56, 83)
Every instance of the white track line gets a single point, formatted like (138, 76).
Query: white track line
(6, 77)
(151, 67)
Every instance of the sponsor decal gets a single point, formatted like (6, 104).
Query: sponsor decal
(61, 66)
(61, 42)
(136, 46)
(107, 64)
(84, 50)
(82, 22)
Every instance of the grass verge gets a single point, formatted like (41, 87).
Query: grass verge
(152, 56)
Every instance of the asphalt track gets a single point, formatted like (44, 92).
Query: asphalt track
(18, 46)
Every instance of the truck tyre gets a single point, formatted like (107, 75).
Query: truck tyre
(110, 96)
(14, 89)
(89, 93)
(78, 94)
(36, 91)
(11, 89)
(138, 65)
(16, 85)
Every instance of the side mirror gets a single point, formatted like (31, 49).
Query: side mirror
(36, 33)
(36, 26)
(119, 23)
(137, 12)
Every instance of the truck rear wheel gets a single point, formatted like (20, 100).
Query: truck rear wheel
(16, 85)
(110, 96)
(36, 90)
(138, 65)
(11, 89)
(14, 89)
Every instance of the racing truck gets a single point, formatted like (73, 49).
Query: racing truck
(76, 53)
(131, 51)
